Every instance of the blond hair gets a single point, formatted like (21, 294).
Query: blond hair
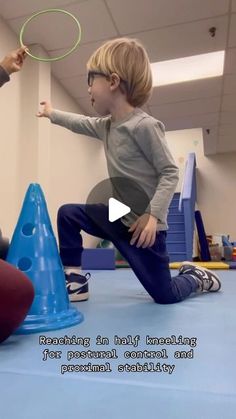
(127, 58)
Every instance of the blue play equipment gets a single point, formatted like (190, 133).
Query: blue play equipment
(204, 248)
(181, 216)
(34, 251)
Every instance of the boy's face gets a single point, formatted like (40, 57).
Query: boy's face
(100, 92)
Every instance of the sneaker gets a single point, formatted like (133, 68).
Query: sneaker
(77, 286)
(207, 280)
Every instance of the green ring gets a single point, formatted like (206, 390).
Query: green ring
(49, 11)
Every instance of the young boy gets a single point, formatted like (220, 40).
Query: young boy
(119, 83)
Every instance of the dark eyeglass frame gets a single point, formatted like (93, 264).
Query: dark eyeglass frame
(91, 75)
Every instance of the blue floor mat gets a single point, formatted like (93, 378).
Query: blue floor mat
(200, 386)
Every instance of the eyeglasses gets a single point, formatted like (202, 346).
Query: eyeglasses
(92, 74)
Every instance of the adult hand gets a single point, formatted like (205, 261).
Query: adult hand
(144, 230)
(46, 111)
(14, 60)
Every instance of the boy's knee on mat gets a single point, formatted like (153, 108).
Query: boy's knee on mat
(165, 299)
(63, 211)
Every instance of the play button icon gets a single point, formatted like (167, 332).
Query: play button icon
(121, 198)
(117, 210)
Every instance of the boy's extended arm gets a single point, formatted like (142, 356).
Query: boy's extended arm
(150, 137)
(81, 124)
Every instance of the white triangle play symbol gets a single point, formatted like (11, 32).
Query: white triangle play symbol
(116, 209)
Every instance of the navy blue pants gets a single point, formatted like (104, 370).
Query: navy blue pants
(150, 265)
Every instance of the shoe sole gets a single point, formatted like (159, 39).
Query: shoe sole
(204, 269)
(79, 297)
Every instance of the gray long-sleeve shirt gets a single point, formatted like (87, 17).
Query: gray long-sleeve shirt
(135, 148)
(4, 77)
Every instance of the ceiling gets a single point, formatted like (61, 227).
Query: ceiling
(169, 29)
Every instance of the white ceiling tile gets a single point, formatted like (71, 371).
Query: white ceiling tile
(176, 124)
(74, 64)
(227, 117)
(230, 61)
(140, 15)
(49, 30)
(95, 20)
(196, 89)
(228, 129)
(53, 37)
(184, 40)
(230, 84)
(226, 144)
(194, 121)
(12, 9)
(233, 5)
(232, 31)
(76, 86)
(228, 103)
(206, 120)
(182, 109)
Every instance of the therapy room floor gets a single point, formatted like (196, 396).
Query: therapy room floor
(200, 386)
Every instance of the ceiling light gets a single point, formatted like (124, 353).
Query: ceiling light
(188, 68)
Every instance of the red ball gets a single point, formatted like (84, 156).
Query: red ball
(16, 297)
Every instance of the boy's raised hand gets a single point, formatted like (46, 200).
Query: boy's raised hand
(144, 231)
(46, 111)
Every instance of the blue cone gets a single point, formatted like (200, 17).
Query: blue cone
(34, 251)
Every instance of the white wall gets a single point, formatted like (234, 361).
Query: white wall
(181, 143)
(216, 175)
(216, 193)
(10, 114)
